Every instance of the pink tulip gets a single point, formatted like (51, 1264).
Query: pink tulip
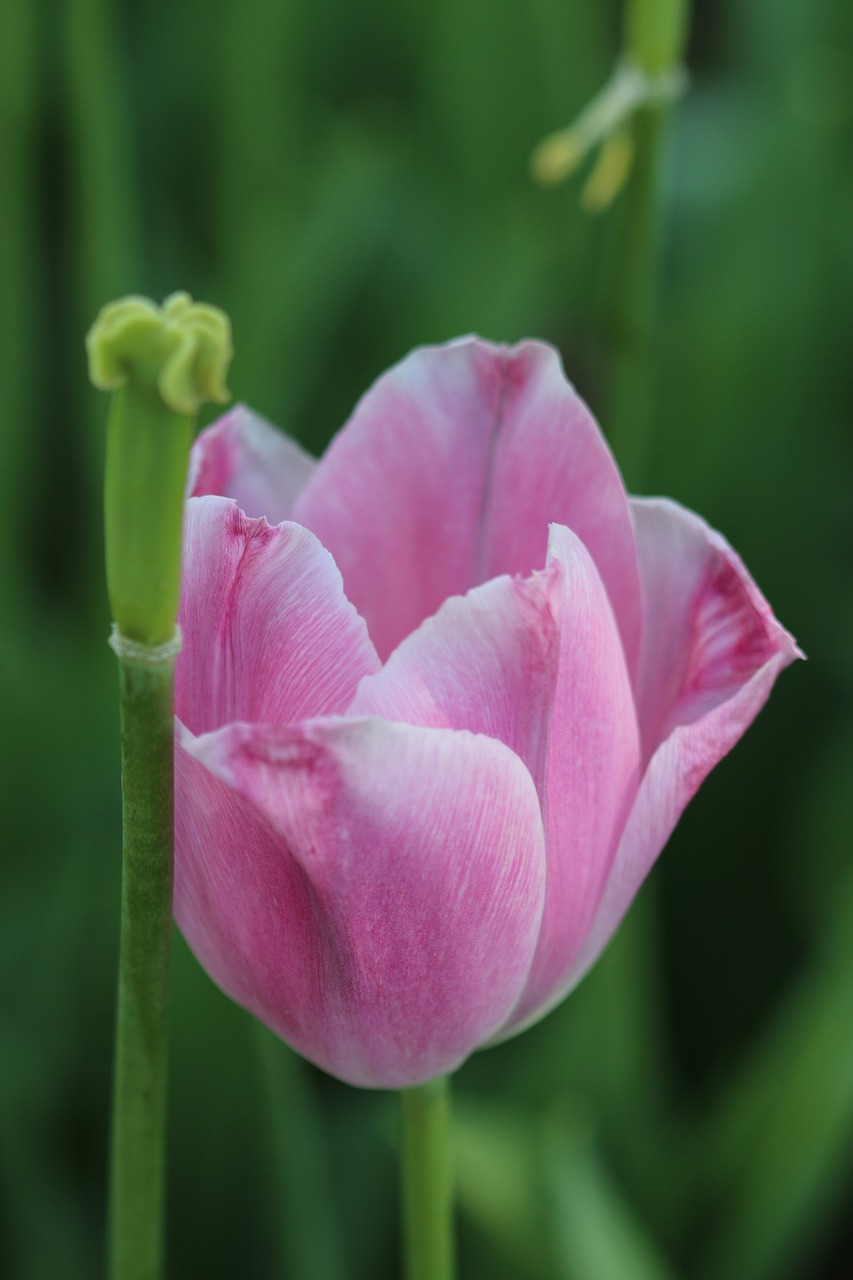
(440, 715)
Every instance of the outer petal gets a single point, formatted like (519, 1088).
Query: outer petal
(371, 891)
(244, 457)
(539, 664)
(713, 651)
(268, 632)
(448, 474)
(708, 628)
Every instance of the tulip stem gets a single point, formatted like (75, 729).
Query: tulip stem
(163, 363)
(139, 1099)
(427, 1182)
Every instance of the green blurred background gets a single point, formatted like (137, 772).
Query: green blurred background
(349, 180)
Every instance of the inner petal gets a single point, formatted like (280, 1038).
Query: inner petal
(269, 636)
(448, 475)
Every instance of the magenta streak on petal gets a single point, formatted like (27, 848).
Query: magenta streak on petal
(732, 639)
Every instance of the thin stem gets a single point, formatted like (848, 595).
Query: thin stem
(655, 33)
(139, 1102)
(21, 460)
(629, 304)
(655, 37)
(427, 1182)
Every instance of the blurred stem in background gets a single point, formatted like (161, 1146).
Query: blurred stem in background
(427, 1182)
(655, 39)
(19, 84)
(630, 982)
(161, 364)
(626, 123)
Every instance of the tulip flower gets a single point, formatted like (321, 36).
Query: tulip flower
(442, 698)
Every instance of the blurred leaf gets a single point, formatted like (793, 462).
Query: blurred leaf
(539, 1187)
(102, 144)
(297, 280)
(597, 1233)
(499, 1181)
(783, 1133)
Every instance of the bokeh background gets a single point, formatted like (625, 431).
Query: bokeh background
(349, 180)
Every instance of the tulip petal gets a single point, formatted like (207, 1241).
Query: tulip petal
(537, 663)
(448, 474)
(713, 650)
(372, 891)
(268, 633)
(244, 457)
(708, 628)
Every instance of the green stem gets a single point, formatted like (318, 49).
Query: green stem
(139, 1102)
(655, 37)
(656, 33)
(162, 363)
(629, 309)
(427, 1182)
(147, 451)
(22, 463)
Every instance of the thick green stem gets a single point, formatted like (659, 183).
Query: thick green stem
(427, 1182)
(139, 1101)
(163, 363)
(655, 37)
(147, 451)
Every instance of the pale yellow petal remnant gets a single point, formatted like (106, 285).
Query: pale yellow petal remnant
(557, 157)
(183, 347)
(603, 123)
(610, 173)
